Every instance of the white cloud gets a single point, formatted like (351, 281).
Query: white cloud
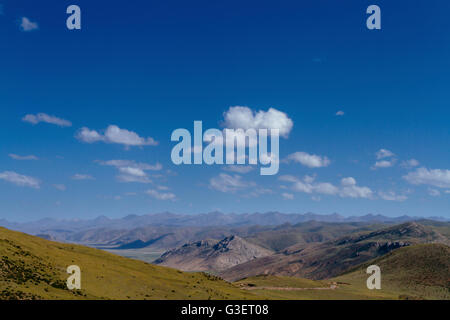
(17, 157)
(238, 117)
(340, 113)
(411, 163)
(434, 192)
(384, 164)
(1, 10)
(43, 117)
(433, 177)
(228, 183)
(384, 153)
(131, 171)
(351, 190)
(114, 134)
(287, 196)
(60, 187)
(19, 179)
(27, 25)
(132, 163)
(348, 188)
(126, 178)
(392, 196)
(161, 195)
(238, 168)
(309, 160)
(79, 176)
(89, 136)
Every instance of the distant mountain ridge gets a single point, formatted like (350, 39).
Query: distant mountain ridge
(62, 228)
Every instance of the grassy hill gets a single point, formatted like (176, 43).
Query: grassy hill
(329, 259)
(281, 237)
(418, 272)
(34, 268)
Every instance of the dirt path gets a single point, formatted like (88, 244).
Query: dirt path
(331, 287)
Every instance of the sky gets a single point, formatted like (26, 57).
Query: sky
(87, 115)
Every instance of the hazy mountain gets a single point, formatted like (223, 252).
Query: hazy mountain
(212, 255)
(67, 229)
(329, 259)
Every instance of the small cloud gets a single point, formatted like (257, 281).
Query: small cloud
(340, 113)
(229, 183)
(384, 153)
(434, 192)
(392, 196)
(384, 164)
(287, 196)
(114, 134)
(131, 171)
(1, 10)
(79, 176)
(161, 195)
(60, 187)
(43, 117)
(309, 160)
(411, 163)
(26, 25)
(19, 179)
(17, 157)
(348, 188)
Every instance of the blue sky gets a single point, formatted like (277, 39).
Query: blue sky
(150, 67)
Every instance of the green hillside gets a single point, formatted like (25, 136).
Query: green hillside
(417, 272)
(34, 268)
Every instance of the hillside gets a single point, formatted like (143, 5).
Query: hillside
(417, 272)
(212, 255)
(34, 268)
(286, 235)
(331, 258)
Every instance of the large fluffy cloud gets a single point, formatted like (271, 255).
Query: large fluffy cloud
(19, 179)
(434, 177)
(244, 118)
(309, 160)
(43, 117)
(114, 134)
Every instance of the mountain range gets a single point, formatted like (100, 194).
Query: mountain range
(77, 230)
